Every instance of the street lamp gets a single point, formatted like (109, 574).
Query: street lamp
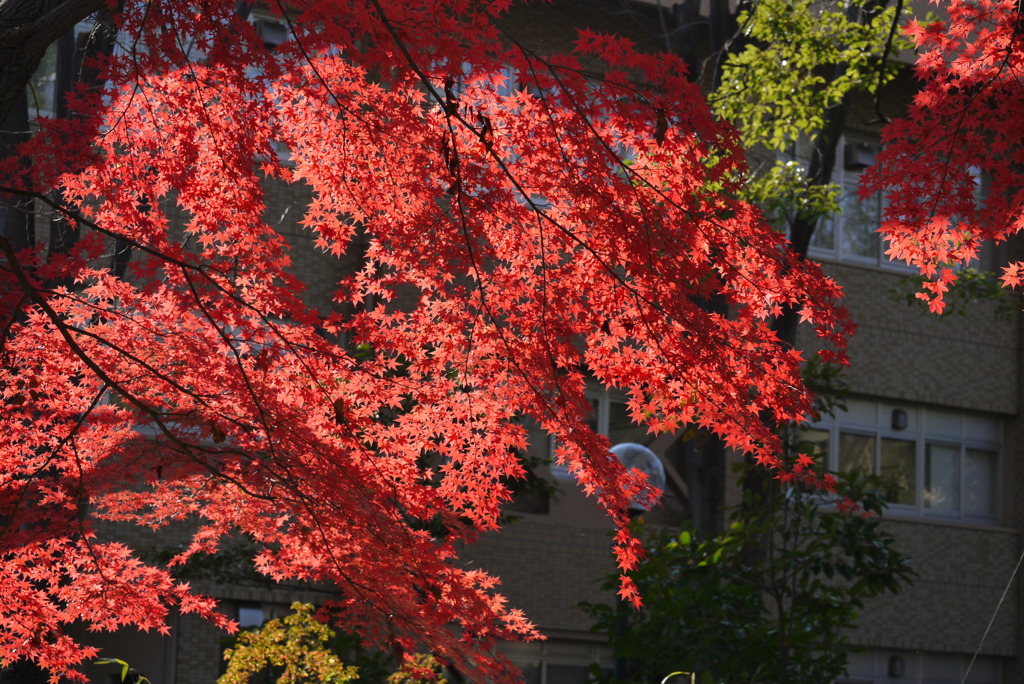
(633, 455)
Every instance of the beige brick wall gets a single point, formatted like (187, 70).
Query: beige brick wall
(198, 645)
(962, 572)
(904, 352)
(546, 569)
(969, 361)
(191, 654)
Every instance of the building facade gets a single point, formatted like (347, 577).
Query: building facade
(935, 407)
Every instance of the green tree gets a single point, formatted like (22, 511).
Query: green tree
(768, 601)
(785, 78)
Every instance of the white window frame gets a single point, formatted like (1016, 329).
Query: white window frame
(604, 399)
(853, 156)
(924, 426)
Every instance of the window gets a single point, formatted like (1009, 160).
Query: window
(556, 661)
(610, 418)
(42, 87)
(936, 463)
(42, 92)
(271, 31)
(852, 234)
(250, 615)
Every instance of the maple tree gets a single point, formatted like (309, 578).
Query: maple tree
(953, 165)
(526, 221)
(783, 72)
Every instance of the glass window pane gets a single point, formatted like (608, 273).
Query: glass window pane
(823, 236)
(813, 437)
(621, 428)
(531, 673)
(898, 471)
(856, 452)
(942, 478)
(250, 616)
(559, 471)
(861, 219)
(815, 442)
(43, 85)
(567, 674)
(980, 483)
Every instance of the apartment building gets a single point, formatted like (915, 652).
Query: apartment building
(935, 407)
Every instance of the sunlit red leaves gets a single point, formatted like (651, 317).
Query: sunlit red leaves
(951, 166)
(61, 581)
(515, 225)
(1013, 274)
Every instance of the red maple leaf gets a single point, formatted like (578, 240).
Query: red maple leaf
(490, 251)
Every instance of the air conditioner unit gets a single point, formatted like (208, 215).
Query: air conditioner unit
(857, 157)
(272, 33)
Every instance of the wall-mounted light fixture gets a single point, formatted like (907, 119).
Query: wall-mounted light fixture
(899, 419)
(895, 664)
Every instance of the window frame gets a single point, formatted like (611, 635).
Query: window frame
(976, 432)
(602, 400)
(847, 179)
(535, 661)
(989, 256)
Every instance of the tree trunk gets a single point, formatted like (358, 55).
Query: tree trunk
(16, 212)
(27, 28)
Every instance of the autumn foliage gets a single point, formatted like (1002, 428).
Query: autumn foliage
(953, 166)
(526, 221)
(295, 648)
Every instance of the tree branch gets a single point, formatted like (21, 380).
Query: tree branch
(27, 28)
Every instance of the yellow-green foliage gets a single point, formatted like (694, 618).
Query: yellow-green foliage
(800, 59)
(294, 649)
(421, 668)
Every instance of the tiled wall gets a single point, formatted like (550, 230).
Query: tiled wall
(902, 351)
(962, 572)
